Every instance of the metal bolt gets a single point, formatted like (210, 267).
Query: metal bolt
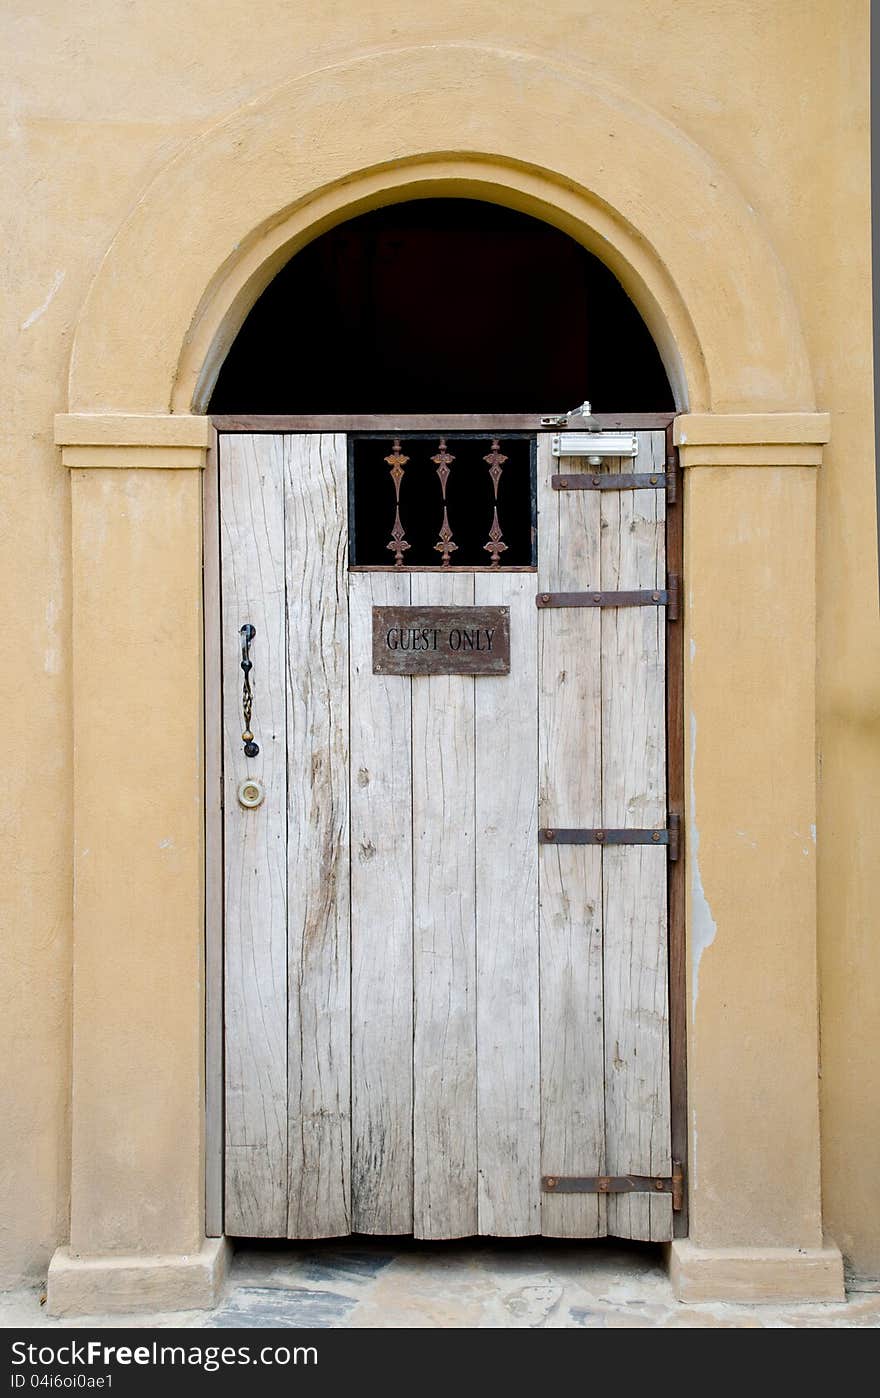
(653, 480)
(655, 596)
(597, 597)
(549, 834)
(563, 483)
(659, 1184)
(545, 596)
(600, 835)
(551, 1182)
(656, 836)
(595, 480)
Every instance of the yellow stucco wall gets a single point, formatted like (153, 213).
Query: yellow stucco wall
(101, 101)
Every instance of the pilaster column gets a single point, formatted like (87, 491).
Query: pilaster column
(137, 1233)
(750, 735)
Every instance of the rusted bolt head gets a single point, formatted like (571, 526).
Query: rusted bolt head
(659, 1184)
(653, 480)
(595, 480)
(551, 1181)
(563, 484)
(655, 836)
(597, 597)
(603, 1186)
(545, 596)
(549, 834)
(600, 835)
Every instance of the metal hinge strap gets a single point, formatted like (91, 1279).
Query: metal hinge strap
(656, 598)
(657, 480)
(671, 836)
(667, 597)
(620, 1184)
(556, 836)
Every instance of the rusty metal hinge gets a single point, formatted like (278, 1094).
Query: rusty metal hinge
(674, 828)
(641, 480)
(672, 478)
(671, 836)
(603, 837)
(584, 481)
(667, 597)
(672, 594)
(620, 1184)
(656, 598)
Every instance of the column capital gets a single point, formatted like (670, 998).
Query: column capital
(153, 441)
(751, 439)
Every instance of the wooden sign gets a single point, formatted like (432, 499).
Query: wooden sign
(441, 640)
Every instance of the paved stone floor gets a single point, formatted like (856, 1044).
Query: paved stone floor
(389, 1283)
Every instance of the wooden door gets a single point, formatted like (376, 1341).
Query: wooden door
(438, 1020)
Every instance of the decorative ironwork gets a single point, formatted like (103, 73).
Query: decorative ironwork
(443, 461)
(401, 522)
(495, 460)
(397, 461)
(496, 545)
(398, 543)
(445, 545)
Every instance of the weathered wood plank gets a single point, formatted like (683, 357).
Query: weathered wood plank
(252, 529)
(499, 424)
(508, 1028)
(444, 970)
(319, 1072)
(569, 702)
(634, 877)
(381, 928)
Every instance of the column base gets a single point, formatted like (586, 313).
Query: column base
(162, 1282)
(753, 1275)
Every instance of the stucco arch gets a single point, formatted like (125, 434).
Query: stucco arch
(218, 221)
(183, 271)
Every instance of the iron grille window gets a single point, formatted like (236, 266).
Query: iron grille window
(423, 501)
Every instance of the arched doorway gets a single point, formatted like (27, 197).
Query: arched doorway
(442, 305)
(671, 222)
(449, 807)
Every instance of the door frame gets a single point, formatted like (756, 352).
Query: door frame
(214, 1065)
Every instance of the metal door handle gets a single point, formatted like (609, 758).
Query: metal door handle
(247, 634)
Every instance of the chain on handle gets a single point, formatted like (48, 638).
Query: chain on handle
(247, 633)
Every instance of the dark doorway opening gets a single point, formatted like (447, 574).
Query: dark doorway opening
(443, 306)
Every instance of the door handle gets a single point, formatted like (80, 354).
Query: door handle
(247, 634)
